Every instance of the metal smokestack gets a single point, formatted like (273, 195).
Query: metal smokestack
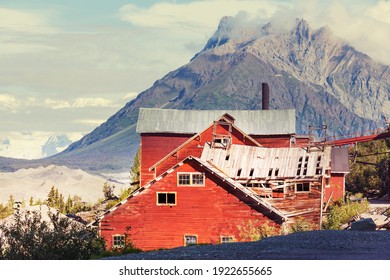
(265, 96)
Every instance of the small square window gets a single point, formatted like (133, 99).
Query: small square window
(227, 239)
(184, 179)
(190, 179)
(303, 187)
(171, 198)
(164, 198)
(190, 240)
(118, 241)
(197, 179)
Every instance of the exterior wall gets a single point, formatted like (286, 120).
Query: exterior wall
(273, 141)
(150, 145)
(280, 141)
(154, 147)
(207, 212)
(336, 187)
(293, 202)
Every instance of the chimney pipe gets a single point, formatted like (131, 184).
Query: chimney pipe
(265, 96)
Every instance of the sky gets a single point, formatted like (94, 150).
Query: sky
(67, 66)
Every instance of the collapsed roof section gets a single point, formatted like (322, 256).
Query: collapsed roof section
(248, 163)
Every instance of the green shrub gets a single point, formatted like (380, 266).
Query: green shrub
(28, 237)
(300, 225)
(249, 232)
(342, 213)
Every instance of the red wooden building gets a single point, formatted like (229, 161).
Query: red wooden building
(205, 175)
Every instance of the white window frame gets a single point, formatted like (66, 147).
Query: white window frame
(122, 241)
(227, 239)
(191, 174)
(190, 235)
(166, 204)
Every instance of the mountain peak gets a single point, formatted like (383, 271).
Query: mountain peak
(301, 29)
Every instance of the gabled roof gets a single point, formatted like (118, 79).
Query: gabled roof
(224, 117)
(243, 193)
(246, 162)
(254, 122)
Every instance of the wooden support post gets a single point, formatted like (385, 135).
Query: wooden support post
(388, 180)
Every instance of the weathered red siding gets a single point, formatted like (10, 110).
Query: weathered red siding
(154, 146)
(194, 148)
(273, 141)
(208, 212)
(336, 188)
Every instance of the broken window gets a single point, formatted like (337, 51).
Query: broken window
(318, 167)
(305, 166)
(299, 169)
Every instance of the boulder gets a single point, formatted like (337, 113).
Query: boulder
(367, 224)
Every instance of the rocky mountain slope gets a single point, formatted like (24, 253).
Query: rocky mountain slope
(326, 80)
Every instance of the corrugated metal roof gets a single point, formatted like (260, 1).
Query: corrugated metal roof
(259, 122)
(267, 163)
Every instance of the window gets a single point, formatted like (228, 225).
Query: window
(118, 241)
(305, 166)
(221, 142)
(190, 179)
(227, 239)
(239, 172)
(251, 172)
(302, 187)
(166, 198)
(184, 179)
(299, 166)
(270, 172)
(190, 240)
(318, 167)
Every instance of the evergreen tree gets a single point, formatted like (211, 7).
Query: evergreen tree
(369, 170)
(51, 197)
(135, 171)
(69, 205)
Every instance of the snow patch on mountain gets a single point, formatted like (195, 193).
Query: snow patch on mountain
(55, 144)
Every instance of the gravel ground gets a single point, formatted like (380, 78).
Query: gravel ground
(310, 245)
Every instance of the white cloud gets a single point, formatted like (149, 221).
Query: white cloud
(56, 104)
(195, 14)
(90, 122)
(19, 31)
(9, 103)
(81, 102)
(130, 95)
(91, 102)
(381, 11)
(24, 22)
